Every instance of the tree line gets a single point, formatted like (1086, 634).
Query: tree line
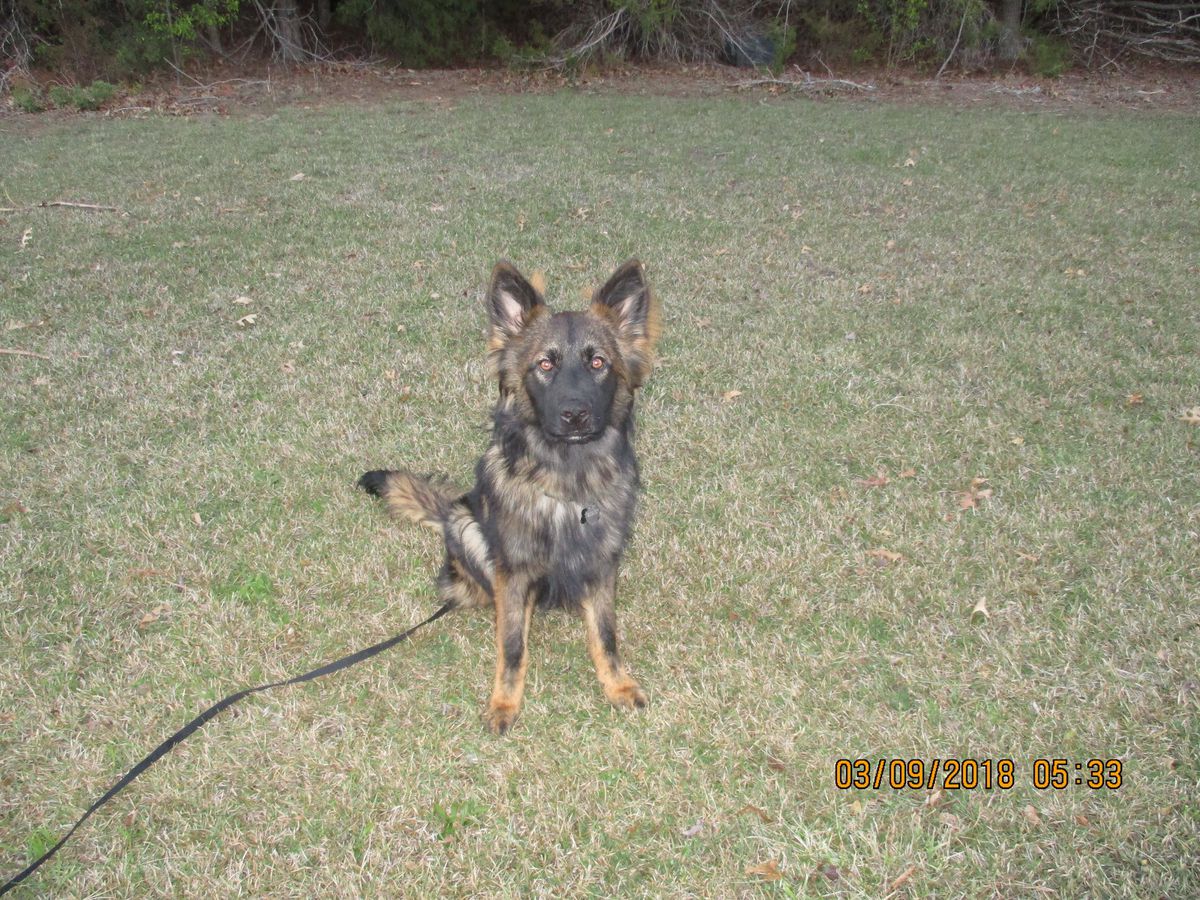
(88, 39)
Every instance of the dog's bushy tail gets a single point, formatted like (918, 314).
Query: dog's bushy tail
(425, 501)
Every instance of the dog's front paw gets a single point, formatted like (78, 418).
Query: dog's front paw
(500, 716)
(626, 694)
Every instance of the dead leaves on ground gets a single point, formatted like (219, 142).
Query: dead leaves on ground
(882, 479)
(884, 558)
(878, 480)
(971, 497)
(767, 871)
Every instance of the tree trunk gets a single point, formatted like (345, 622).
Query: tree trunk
(289, 43)
(1010, 29)
(214, 39)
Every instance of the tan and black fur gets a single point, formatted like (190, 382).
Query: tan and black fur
(552, 506)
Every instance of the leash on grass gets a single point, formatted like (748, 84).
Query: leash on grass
(186, 731)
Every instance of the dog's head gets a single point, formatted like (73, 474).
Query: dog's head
(572, 374)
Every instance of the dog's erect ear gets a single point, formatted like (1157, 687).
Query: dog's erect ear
(627, 302)
(512, 302)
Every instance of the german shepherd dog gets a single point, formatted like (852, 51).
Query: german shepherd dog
(554, 495)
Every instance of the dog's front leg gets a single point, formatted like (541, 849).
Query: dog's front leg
(514, 607)
(600, 619)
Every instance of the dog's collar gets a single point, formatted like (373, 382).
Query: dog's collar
(589, 511)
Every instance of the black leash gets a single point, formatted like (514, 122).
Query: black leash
(183, 733)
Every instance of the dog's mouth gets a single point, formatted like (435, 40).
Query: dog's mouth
(573, 437)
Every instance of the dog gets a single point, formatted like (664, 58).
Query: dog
(553, 503)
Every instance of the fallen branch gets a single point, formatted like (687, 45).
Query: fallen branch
(808, 84)
(12, 351)
(958, 37)
(46, 204)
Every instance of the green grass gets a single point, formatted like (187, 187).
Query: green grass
(179, 518)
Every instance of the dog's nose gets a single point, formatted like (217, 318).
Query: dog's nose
(576, 417)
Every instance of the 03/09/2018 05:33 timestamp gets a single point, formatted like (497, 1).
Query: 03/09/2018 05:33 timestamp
(971, 774)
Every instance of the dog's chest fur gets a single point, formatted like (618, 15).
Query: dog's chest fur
(563, 519)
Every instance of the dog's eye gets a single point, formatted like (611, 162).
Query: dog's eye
(598, 362)
(546, 365)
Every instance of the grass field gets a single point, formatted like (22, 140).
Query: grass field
(868, 310)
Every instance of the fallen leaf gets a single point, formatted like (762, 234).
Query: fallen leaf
(1082, 821)
(878, 480)
(242, 300)
(829, 870)
(969, 499)
(776, 765)
(1192, 416)
(693, 830)
(884, 557)
(980, 609)
(299, 176)
(247, 320)
(758, 811)
(935, 798)
(1017, 441)
(767, 871)
(1134, 400)
(730, 396)
(907, 473)
(196, 518)
(147, 573)
(26, 237)
(909, 163)
(899, 880)
(1031, 815)
(907, 182)
(289, 366)
(153, 615)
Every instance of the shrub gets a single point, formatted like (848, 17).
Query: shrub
(28, 98)
(1048, 55)
(82, 98)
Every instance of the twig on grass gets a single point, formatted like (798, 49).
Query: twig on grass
(13, 351)
(46, 204)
